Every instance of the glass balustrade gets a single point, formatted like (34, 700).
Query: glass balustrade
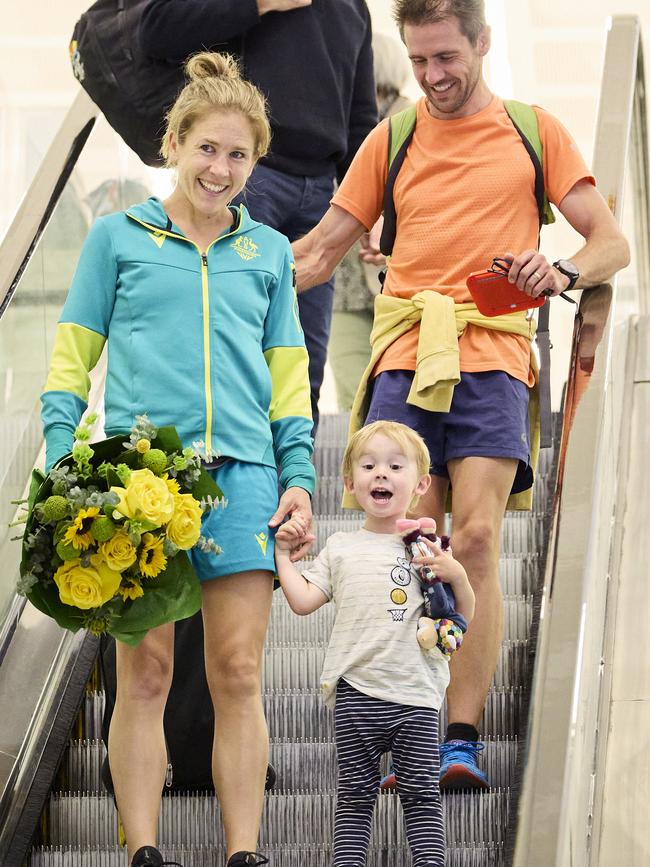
(108, 177)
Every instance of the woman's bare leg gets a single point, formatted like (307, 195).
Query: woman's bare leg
(136, 742)
(235, 616)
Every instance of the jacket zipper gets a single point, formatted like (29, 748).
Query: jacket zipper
(205, 296)
(207, 367)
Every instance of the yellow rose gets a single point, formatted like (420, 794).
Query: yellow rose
(86, 586)
(184, 528)
(146, 497)
(118, 551)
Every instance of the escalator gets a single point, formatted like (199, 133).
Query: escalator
(80, 817)
(53, 809)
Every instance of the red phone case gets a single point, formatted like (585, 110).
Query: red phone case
(493, 295)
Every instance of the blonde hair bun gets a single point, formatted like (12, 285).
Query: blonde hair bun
(215, 83)
(209, 64)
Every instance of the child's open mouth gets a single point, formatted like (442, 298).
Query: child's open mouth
(381, 495)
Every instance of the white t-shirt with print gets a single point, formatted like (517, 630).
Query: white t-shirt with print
(378, 601)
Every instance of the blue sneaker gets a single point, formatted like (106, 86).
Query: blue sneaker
(459, 765)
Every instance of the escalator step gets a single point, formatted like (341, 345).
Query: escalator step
(284, 668)
(280, 856)
(327, 496)
(307, 766)
(194, 820)
(298, 814)
(518, 575)
(294, 714)
(287, 628)
(522, 532)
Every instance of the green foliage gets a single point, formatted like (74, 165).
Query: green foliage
(83, 478)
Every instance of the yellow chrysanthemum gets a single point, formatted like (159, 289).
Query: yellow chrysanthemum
(172, 484)
(131, 589)
(78, 533)
(152, 560)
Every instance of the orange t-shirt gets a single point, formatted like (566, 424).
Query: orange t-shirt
(464, 194)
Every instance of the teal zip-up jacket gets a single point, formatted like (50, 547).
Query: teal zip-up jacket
(210, 343)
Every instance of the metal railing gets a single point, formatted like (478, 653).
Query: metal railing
(40, 199)
(43, 668)
(560, 803)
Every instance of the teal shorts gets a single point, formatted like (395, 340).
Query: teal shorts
(241, 529)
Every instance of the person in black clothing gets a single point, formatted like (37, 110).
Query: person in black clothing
(312, 59)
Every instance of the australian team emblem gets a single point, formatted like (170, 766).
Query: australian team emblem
(245, 248)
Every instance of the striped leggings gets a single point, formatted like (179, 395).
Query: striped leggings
(365, 729)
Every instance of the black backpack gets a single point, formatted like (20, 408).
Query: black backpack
(133, 91)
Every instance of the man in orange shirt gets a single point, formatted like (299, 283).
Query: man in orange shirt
(464, 195)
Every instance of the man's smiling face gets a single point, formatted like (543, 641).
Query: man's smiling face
(448, 67)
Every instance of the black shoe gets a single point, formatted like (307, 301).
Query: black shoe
(246, 859)
(149, 856)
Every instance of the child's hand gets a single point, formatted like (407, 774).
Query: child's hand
(293, 538)
(441, 563)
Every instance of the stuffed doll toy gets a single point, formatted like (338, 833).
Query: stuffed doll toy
(442, 625)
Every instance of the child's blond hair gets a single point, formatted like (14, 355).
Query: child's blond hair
(407, 439)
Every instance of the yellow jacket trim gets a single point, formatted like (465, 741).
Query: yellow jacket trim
(437, 366)
(288, 366)
(76, 351)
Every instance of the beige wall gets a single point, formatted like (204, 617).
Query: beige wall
(554, 50)
(544, 51)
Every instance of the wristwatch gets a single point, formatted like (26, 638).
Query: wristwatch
(566, 267)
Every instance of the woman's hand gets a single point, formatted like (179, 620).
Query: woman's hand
(296, 503)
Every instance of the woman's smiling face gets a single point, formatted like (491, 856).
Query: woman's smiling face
(214, 161)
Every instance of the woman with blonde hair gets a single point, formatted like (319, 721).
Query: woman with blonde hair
(197, 304)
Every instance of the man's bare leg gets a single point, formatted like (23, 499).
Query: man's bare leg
(481, 487)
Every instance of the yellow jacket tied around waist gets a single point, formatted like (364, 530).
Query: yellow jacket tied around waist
(437, 367)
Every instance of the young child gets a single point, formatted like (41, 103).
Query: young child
(386, 689)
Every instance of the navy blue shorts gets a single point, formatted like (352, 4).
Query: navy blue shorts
(241, 528)
(488, 418)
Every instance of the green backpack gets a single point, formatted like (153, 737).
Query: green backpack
(400, 133)
(524, 120)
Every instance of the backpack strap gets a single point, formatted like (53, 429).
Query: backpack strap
(524, 120)
(543, 339)
(400, 133)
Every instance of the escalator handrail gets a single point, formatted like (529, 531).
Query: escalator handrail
(43, 194)
(559, 790)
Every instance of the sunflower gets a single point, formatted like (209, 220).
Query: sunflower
(172, 484)
(152, 560)
(131, 589)
(78, 533)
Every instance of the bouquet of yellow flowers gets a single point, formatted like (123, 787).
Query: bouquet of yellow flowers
(107, 530)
